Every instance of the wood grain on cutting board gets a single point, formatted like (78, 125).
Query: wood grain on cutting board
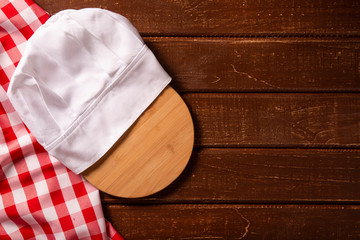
(151, 154)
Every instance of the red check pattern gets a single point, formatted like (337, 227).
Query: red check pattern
(40, 198)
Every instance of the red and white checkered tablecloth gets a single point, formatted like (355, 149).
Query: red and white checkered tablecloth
(40, 198)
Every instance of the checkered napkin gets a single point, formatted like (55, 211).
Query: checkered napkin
(40, 198)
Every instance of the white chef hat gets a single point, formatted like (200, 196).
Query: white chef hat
(85, 77)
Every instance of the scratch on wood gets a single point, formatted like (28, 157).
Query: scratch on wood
(253, 78)
(221, 168)
(216, 80)
(246, 227)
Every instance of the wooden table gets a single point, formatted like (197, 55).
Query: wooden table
(273, 88)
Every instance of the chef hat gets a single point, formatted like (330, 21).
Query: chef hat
(85, 77)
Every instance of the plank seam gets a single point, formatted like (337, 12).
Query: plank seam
(252, 36)
(280, 91)
(247, 203)
(254, 146)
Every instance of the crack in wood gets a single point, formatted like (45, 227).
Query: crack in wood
(247, 226)
(251, 77)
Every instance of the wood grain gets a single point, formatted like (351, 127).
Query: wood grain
(273, 88)
(263, 175)
(236, 221)
(275, 120)
(260, 65)
(233, 17)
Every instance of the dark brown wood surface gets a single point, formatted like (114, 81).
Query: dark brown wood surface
(275, 120)
(228, 175)
(233, 221)
(260, 64)
(274, 91)
(230, 17)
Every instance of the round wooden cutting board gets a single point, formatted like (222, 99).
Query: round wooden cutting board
(151, 154)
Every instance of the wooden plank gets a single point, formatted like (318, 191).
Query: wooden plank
(236, 221)
(233, 17)
(275, 120)
(260, 65)
(258, 175)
